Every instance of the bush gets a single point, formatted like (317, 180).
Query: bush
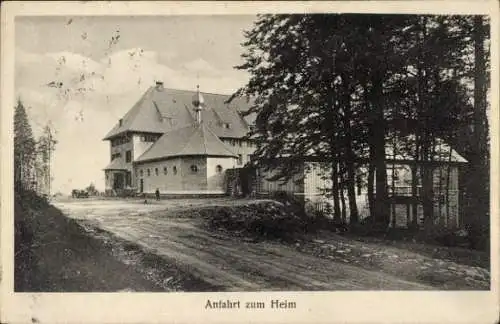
(271, 220)
(478, 237)
(368, 227)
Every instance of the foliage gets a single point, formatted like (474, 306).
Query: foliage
(338, 88)
(24, 148)
(31, 157)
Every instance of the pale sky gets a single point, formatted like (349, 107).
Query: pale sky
(101, 78)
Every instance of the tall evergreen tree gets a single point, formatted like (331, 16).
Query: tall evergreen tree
(480, 154)
(24, 148)
(337, 87)
(45, 147)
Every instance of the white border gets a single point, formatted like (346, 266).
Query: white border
(314, 307)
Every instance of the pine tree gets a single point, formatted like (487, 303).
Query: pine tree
(480, 154)
(45, 147)
(339, 87)
(24, 148)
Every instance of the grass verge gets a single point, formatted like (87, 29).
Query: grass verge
(54, 253)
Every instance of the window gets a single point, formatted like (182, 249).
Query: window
(149, 172)
(149, 138)
(165, 170)
(227, 125)
(396, 175)
(240, 159)
(174, 169)
(240, 143)
(120, 140)
(194, 168)
(141, 172)
(156, 171)
(128, 179)
(218, 168)
(115, 156)
(128, 156)
(249, 157)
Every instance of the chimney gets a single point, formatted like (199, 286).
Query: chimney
(159, 85)
(120, 122)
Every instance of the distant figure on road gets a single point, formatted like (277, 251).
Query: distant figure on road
(157, 193)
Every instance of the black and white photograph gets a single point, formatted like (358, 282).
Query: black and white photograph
(258, 152)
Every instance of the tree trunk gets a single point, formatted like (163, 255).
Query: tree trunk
(414, 193)
(428, 182)
(335, 193)
(371, 189)
(343, 204)
(440, 194)
(379, 130)
(371, 160)
(351, 194)
(349, 155)
(448, 177)
(393, 193)
(479, 161)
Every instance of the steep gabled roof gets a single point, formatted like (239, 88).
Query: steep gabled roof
(161, 110)
(185, 141)
(116, 164)
(405, 149)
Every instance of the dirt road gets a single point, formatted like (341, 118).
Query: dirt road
(224, 262)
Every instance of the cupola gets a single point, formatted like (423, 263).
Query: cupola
(198, 104)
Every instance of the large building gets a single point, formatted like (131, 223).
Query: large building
(178, 142)
(182, 143)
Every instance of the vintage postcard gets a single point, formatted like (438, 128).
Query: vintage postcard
(237, 162)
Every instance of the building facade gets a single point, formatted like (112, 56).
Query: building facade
(313, 180)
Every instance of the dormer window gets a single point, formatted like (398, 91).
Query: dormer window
(149, 138)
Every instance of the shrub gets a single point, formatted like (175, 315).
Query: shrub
(271, 220)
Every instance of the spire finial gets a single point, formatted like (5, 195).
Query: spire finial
(198, 103)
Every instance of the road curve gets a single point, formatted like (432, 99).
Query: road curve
(225, 262)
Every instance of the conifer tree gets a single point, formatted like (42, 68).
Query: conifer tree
(338, 87)
(24, 148)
